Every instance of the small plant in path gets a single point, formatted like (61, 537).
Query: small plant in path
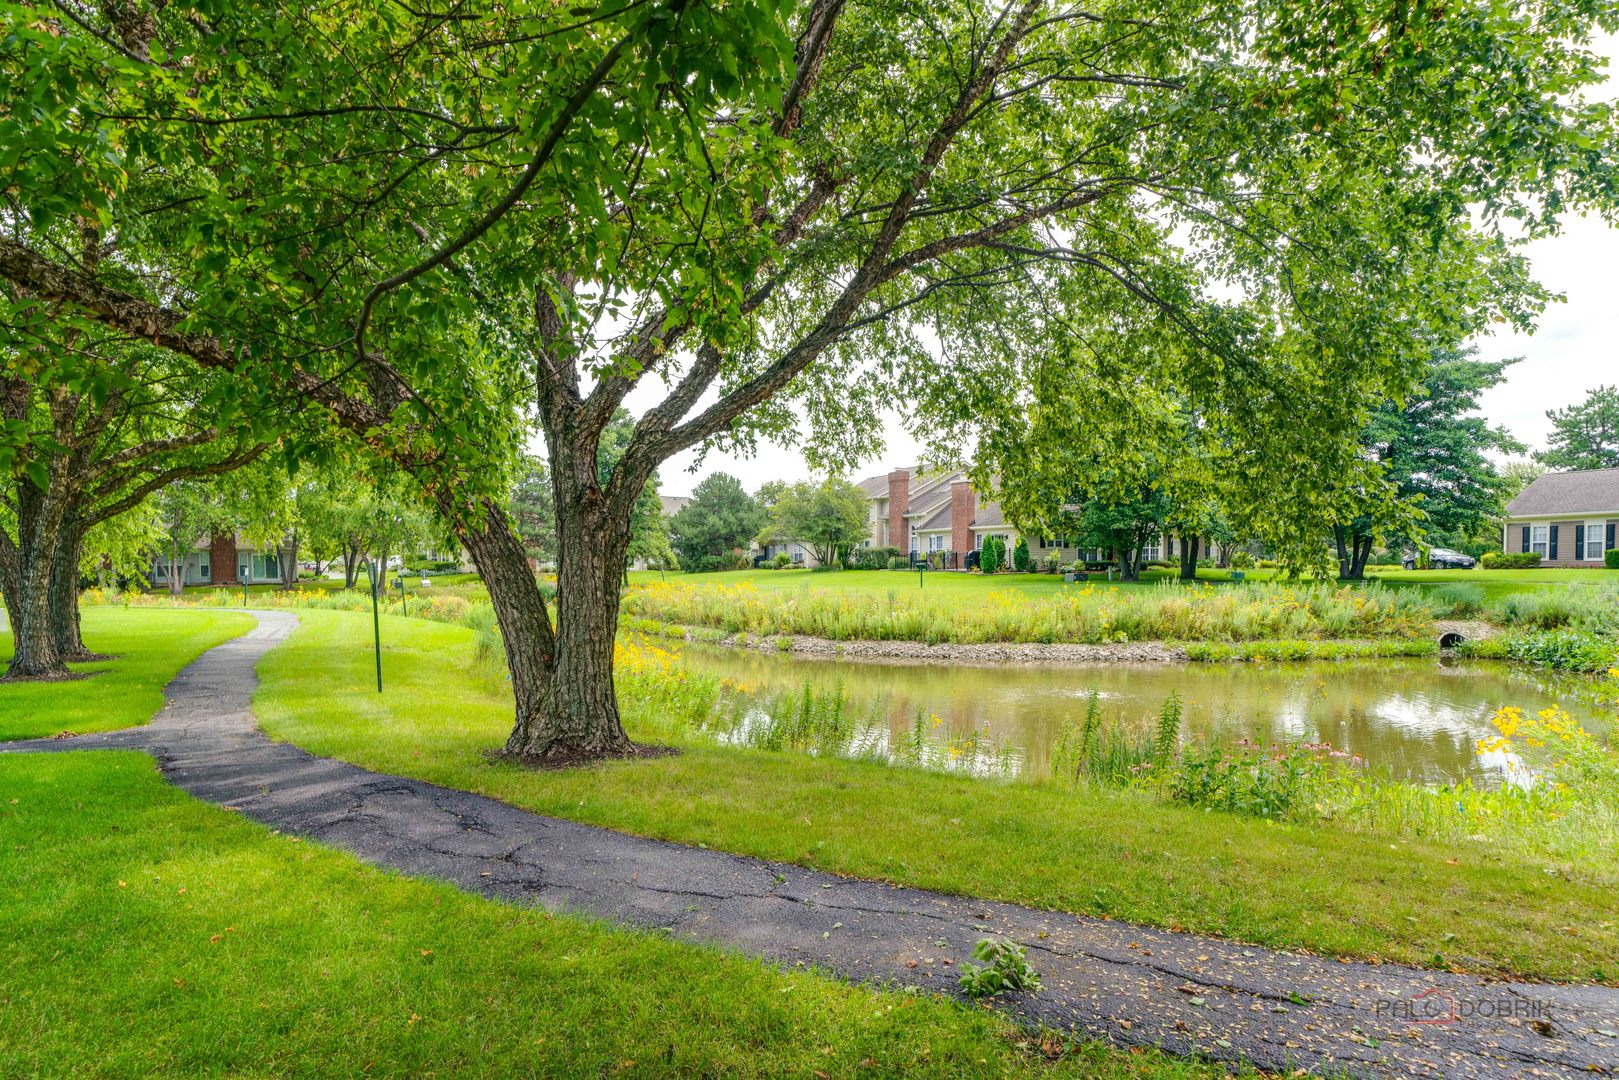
(1001, 965)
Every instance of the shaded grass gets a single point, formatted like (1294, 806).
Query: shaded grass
(1087, 850)
(149, 934)
(148, 649)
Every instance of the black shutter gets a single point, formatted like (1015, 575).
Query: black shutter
(1579, 541)
(1551, 549)
(1525, 539)
(1611, 545)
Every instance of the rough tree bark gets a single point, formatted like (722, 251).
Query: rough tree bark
(64, 599)
(1190, 545)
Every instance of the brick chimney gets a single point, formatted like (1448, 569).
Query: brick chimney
(899, 501)
(963, 508)
(222, 559)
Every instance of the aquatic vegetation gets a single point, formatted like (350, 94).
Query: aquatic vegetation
(1089, 614)
(1216, 651)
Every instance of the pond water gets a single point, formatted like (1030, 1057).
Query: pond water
(1411, 719)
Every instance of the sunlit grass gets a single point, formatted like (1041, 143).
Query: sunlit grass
(148, 934)
(1086, 849)
(148, 647)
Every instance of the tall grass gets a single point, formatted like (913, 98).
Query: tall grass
(1592, 607)
(1087, 615)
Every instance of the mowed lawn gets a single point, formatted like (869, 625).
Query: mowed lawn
(970, 587)
(1092, 851)
(148, 934)
(148, 646)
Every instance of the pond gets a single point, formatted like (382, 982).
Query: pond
(1410, 719)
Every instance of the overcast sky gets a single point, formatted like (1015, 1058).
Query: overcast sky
(1574, 349)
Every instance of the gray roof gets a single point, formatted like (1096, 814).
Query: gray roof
(1593, 491)
(941, 520)
(989, 516)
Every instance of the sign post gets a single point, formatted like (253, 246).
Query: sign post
(376, 621)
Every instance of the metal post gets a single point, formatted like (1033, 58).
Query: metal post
(919, 568)
(376, 621)
(244, 592)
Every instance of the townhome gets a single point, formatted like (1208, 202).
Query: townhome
(225, 559)
(1568, 518)
(940, 516)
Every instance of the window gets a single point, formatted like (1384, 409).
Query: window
(935, 543)
(978, 541)
(202, 569)
(1149, 550)
(1595, 537)
(1538, 539)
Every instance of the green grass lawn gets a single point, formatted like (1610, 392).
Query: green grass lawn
(1093, 851)
(968, 586)
(150, 934)
(149, 647)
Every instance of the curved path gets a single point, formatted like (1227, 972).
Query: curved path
(1132, 985)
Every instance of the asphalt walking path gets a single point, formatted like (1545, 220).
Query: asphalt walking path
(1129, 984)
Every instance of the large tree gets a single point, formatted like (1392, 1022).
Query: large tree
(827, 517)
(721, 518)
(1585, 436)
(95, 425)
(771, 211)
(1435, 474)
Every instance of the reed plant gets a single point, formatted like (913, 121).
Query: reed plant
(1089, 614)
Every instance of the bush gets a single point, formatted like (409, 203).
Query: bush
(1568, 650)
(1022, 562)
(899, 563)
(1050, 564)
(1459, 601)
(782, 561)
(1610, 558)
(1241, 560)
(992, 556)
(1510, 560)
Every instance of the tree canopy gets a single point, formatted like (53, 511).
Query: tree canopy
(1586, 435)
(720, 520)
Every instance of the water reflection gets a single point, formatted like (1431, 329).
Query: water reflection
(1413, 719)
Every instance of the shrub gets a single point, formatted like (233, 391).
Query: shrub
(1610, 558)
(1510, 560)
(782, 561)
(899, 563)
(992, 555)
(1050, 564)
(1570, 650)
(1001, 965)
(1022, 562)
(1241, 560)
(1459, 600)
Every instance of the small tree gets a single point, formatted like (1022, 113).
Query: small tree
(720, 519)
(992, 555)
(1123, 522)
(826, 517)
(1022, 562)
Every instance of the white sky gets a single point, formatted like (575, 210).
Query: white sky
(1574, 349)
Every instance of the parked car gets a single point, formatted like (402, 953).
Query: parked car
(1442, 559)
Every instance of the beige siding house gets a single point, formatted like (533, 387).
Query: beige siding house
(939, 515)
(1570, 518)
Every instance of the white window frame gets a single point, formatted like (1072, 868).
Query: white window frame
(1149, 550)
(1596, 535)
(935, 543)
(203, 569)
(1540, 538)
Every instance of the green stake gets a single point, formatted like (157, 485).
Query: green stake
(376, 621)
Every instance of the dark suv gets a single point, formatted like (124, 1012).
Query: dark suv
(1442, 559)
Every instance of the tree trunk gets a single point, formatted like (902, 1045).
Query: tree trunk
(1362, 551)
(1344, 561)
(64, 597)
(351, 565)
(41, 517)
(289, 562)
(177, 574)
(1189, 550)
